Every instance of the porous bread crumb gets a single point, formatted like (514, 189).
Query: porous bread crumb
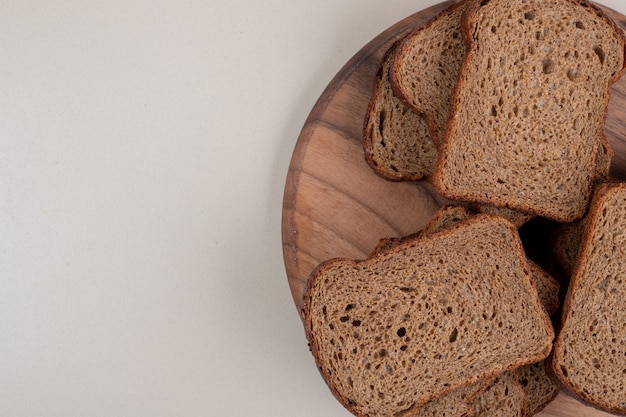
(526, 121)
(433, 314)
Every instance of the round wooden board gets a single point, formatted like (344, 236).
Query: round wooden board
(335, 206)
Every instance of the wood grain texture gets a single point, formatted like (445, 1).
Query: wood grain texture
(336, 206)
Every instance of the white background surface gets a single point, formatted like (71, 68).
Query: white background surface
(143, 153)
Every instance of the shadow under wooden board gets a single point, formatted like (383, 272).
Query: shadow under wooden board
(336, 206)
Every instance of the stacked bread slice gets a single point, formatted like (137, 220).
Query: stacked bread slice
(589, 356)
(528, 110)
(501, 105)
(426, 317)
(530, 388)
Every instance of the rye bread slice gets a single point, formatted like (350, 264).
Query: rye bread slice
(540, 389)
(445, 217)
(565, 244)
(529, 106)
(547, 287)
(396, 140)
(427, 65)
(565, 241)
(428, 316)
(589, 356)
(456, 403)
(504, 398)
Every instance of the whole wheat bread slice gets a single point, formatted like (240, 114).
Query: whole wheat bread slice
(547, 287)
(589, 356)
(529, 106)
(445, 217)
(426, 67)
(540, 389)
(428, 316)
(456, 403)
(565, 241)
(397, 142)
(504, 398)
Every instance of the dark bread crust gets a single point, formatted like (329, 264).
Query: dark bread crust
(589, 225)
(588, 170)
(318, 274)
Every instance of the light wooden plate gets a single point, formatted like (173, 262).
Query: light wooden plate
(335, 206)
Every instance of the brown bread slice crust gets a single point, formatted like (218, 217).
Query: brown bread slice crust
(504, 398)
(426, 317)
(397, 143)
(589, 356)
(529, 107)
(538, 389)
(547, 287)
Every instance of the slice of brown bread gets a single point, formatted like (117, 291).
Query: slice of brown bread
(426, 67)
(396, 142)
(589, 356)
(445, 217)
(415, 322)
(455, 403)
(565, 241)
(540, 389)
(547, 287)
(529, 106)
(504, 398)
